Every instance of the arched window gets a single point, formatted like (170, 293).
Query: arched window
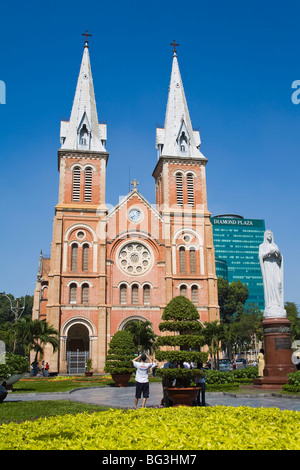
(84, 136)
(73, 294)
(195, 295)
(190, 189)
(88, 175)
(76, 183)
(192, 260)
(179, 189)
(123, 294)
(85, 294)
(182, 259)
(74, 257)
(146, 295)
(135, 294)
(85, 257)
(45, 292)
(183, 290)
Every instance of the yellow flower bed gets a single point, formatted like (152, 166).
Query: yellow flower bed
(215, 428)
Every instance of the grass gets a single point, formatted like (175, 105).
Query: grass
(64, 384)
(22, 411)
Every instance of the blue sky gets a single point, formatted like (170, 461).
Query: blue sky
(238, 61)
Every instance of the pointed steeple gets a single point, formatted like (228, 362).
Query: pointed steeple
(177, 138)
(83, 131)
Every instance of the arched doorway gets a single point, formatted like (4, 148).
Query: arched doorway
(77, 348)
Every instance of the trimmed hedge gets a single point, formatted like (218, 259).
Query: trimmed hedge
(120, 354)
(182, 428)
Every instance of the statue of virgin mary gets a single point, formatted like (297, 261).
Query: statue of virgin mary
(271, 263)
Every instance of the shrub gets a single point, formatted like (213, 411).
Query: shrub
(17, 364)
(14, 364)
(293, 384)
(120, 354)
(180, 428)
(182, 317)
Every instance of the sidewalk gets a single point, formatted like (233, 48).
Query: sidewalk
(124, 398)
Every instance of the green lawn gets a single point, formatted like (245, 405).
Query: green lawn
(31, 410)
(65, 384)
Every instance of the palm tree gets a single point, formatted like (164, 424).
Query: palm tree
(142, 334)
(34, 335)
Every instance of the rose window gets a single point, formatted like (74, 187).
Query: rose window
(134, 259)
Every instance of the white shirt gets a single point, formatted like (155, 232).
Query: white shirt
(142, 371)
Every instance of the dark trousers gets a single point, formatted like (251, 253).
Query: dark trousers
(202, 393)
(166, 400)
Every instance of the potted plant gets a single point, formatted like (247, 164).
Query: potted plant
(182, 319)
(119, 358)
(88, 366)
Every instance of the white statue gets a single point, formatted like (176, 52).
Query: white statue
(271, 263)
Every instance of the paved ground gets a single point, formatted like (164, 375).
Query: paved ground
(124, 398)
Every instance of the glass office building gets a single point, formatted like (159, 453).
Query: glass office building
(236, 242)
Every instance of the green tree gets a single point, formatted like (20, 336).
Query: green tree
(292, 312)
(33, 335)
(231, 298)
(142, 334)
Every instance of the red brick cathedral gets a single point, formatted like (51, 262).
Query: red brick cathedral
(109, 268)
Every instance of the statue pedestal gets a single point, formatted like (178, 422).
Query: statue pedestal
(278, 354)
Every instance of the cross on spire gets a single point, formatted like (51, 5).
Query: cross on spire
(134, 183)
(86, 34)
(174, 46)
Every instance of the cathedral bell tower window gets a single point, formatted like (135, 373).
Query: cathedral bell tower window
(74, 257)
(85, 257)
(85, 294)
(76, 183)
(73, 294)
(195, 295)
(179, 189)
(190, 189)
(192, 260)
(182, 260)
(88, 174)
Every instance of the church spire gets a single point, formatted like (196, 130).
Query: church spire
(177, 138)
(83, 131)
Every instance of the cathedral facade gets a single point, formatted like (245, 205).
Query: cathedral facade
(108, 268)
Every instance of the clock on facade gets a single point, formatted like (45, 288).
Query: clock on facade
(135, 215)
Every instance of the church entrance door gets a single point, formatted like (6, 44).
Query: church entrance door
(77, 349)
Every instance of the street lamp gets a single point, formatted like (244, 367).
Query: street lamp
(16, 308)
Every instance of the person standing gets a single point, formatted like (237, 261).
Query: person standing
(261, 363)
(200, 382)
(142, 378)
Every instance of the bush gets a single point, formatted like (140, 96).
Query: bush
(180, 428)
(14, 364)
(120, 354)
(293, 384)
(17, 364)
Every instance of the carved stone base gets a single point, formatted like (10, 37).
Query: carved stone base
(278, 354)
